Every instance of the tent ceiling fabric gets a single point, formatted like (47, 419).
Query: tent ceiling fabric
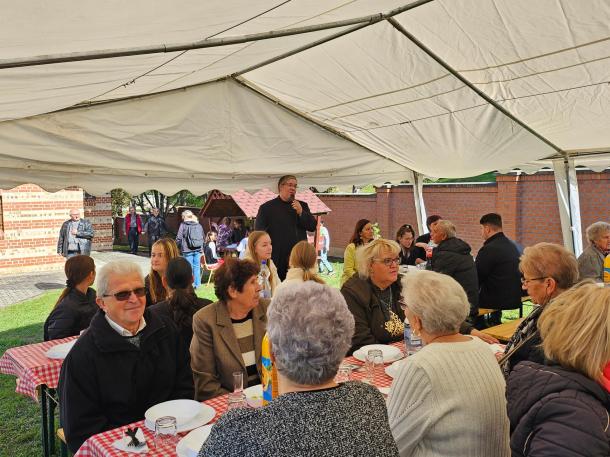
(545, 62)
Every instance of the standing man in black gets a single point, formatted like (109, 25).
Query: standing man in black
(286, 220)
(498, 269)
(155, 228)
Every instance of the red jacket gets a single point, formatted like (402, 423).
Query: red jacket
(128, 223)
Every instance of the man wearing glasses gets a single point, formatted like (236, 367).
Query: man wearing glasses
(286, 220)
(128, 360)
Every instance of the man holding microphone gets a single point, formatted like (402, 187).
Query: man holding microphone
(286, 220)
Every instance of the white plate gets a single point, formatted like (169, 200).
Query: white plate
(190, 445)
(183, 410)
(392, 370)
(390, 353)
(254, 396)
(60, 351)
(384, 390)
(206, 414)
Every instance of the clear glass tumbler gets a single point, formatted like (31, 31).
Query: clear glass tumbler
(237, 398)
(166, 430)
(344, 374)
(373, 365)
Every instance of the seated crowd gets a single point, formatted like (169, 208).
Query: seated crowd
(145, 341)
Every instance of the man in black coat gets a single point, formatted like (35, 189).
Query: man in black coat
(286, 220)
(498, 269)
(75, 236)
(154, 228)
(419, 253)
(127, 360)
(452, 257)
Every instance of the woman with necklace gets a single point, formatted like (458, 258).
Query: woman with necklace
(448, 398)
(372, 295)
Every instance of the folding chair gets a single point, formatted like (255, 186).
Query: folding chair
(211, 267)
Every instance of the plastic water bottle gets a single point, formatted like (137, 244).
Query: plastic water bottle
(413, 342)
(263, 280)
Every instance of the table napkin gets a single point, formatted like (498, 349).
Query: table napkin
(122, 444)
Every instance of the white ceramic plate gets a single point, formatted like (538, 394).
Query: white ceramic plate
(190, 445)
(205, 415)
(183, 410)
(390, 353)
(254, 396)
(60, 351)
(392, 370)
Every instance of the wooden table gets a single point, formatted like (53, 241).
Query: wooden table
(503, 332)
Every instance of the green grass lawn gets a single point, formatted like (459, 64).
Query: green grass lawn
(21, 324)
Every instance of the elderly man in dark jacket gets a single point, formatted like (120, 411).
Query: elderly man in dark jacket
(75, 236)
(498, 269)
(127, 360)
(452, 257)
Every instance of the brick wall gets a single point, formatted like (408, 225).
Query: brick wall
(31, 219)
(527, 203)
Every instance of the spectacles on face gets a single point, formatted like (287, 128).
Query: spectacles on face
(388, 261)
(124, 295)
(525, 281)
(291, 185)
(402, 304)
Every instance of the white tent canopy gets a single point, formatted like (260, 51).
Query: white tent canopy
(446, 88)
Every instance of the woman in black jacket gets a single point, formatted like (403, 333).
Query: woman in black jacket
(182, 302)
(76, 305)
(562, 408)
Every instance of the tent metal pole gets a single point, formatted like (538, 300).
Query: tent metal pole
(420, 207)
(471, 86)
(213, 42)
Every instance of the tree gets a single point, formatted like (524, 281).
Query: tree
(166, 204)
(120, 199)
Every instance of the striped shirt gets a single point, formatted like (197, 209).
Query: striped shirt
(244, 332)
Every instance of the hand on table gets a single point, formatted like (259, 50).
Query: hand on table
(484, 336)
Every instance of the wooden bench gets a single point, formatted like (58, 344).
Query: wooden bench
(503, 332)
(484, 311)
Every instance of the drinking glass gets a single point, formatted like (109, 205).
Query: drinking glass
(165, 432)
(237, 398)
(344, 374)
(373, 365)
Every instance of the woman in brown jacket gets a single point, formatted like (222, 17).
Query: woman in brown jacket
(227, 335)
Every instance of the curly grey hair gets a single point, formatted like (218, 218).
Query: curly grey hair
(437, 299)
(115, 268)
(596, 230)
(311, 329)
(365, 254)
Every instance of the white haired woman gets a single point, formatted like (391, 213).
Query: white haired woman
(591, 261)
(310, 329)
(448, 398)
(566, 408)
(372, 294)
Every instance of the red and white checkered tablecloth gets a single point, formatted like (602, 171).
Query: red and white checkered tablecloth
(100, 445)
(32, 367)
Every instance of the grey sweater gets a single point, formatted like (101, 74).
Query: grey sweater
(349, 420)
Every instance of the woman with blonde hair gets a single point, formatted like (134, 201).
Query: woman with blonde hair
(161, 253)
(303, 265)
(566, 408)
(259, 249)
(372, 295)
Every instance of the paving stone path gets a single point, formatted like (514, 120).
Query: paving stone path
(19, 287)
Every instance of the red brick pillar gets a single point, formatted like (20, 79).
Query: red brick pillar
(507, 203)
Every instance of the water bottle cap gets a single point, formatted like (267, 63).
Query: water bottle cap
(264, 262)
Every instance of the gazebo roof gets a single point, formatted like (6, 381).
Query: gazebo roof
(244, 204)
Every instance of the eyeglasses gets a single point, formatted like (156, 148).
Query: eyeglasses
(402, 304)
(526, 281)
(388, 261)
(292, 186)
(125, 294)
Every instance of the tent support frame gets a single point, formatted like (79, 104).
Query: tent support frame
(213, 42)
(420, 207)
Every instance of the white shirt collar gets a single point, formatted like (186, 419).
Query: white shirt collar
(122, 331)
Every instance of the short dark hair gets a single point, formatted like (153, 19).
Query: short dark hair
(493, 219)
(233, 273)
(285, 178)
(432, 219)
